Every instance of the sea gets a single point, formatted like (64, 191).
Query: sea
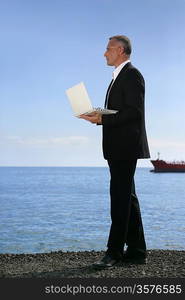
(44, 209)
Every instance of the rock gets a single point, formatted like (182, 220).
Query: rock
(161, 263)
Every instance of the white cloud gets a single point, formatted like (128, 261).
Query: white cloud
(74, 150)
(169, 150)
(53, 141)
(166, 144)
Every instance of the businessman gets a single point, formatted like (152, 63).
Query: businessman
(124, 141)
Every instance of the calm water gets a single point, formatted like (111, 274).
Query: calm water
(45, 209)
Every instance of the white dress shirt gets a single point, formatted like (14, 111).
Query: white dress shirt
(118, 69)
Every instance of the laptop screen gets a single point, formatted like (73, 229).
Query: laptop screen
(79, 99)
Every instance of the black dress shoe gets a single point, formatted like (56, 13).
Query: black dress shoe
(106, 262)
(135, 260)
(134, 257)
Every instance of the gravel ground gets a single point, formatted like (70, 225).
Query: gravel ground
(161, 263)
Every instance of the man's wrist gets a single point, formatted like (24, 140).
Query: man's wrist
(99, 119)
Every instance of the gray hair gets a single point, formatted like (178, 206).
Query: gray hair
(125, 42)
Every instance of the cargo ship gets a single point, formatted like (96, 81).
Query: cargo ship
(163, 166)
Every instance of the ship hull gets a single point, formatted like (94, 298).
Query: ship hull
(160, 166)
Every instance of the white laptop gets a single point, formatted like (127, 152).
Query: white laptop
(80, 102)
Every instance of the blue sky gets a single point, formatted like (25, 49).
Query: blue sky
(49, 46)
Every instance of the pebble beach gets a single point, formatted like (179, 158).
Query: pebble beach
(161, 263)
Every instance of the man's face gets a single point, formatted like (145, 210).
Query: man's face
(113, 52)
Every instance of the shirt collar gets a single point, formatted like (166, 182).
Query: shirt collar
(119, 68)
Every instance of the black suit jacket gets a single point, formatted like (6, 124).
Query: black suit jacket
(124, 134)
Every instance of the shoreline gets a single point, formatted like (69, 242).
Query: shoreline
(161, 263)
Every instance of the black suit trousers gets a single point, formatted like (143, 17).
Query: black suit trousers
(126, 227)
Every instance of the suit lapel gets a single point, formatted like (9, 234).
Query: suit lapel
(107, 94)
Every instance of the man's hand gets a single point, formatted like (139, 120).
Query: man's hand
(95, 118)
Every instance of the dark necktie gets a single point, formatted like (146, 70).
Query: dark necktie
(107, 95)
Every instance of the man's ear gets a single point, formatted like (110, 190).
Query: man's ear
(122, 50)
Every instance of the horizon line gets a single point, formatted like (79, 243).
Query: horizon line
(59, 166)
